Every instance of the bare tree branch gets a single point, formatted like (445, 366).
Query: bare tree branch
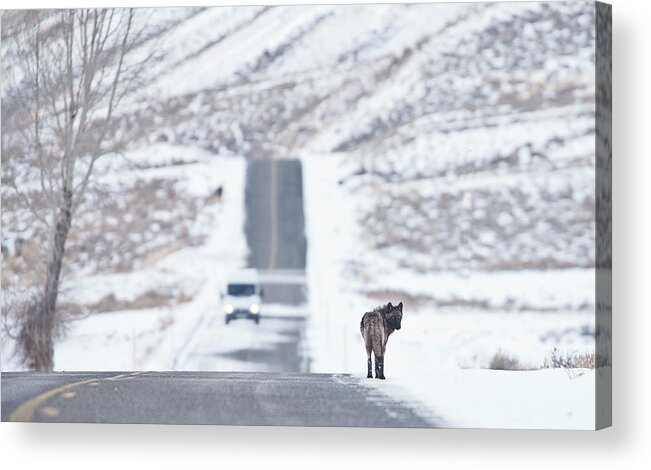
(71, 74)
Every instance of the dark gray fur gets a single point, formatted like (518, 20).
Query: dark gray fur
(376, 327)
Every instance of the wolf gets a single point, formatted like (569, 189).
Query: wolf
(376, 326)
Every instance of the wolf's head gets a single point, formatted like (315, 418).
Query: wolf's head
(394, 315)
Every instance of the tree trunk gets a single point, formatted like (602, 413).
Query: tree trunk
(43, 357)
(73, 65)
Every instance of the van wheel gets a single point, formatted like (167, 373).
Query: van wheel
(228, 319)
(257, 320)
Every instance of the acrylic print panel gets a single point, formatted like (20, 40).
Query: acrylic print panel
(325, 215)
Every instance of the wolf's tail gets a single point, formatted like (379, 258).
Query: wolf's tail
(372, 331)
(376, 344)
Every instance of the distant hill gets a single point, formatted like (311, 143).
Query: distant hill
(471, 126)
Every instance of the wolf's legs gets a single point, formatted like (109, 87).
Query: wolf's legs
(369, 375)
(369, 348)
(379, 367)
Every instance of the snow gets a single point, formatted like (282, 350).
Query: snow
(223, 42)
(438, 355)
(125, 286)
(151, 339)
(116, 340)
(526, 312)
(238, 50)
(181, 336)
(194, 170)
(240, 346)
(510, 290)
(460, 398)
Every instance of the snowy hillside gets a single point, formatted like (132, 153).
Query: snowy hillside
(457, 138)
(483, 152)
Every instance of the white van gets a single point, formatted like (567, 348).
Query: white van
(243, 296)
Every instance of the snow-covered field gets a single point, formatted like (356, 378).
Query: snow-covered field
(437, 358)
(558, 302)
(463, 398)
(153, 338)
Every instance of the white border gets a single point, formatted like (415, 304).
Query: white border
(623, 446)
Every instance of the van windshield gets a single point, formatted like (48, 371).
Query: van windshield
(241, 290)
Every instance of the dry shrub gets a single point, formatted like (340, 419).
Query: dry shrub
(36, 333)
(150, 299)
(569, 360)
(504, 361)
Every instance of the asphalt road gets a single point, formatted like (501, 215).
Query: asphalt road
(274, 345)
(275, 234)
(275, 223)
(227, 398)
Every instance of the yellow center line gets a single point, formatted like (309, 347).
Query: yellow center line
(26, 411)
(273, 197)
(49, 411)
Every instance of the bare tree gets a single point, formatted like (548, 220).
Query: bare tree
(65, 75)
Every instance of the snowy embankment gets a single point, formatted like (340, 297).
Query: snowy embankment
(462, 398)
(436, 358)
